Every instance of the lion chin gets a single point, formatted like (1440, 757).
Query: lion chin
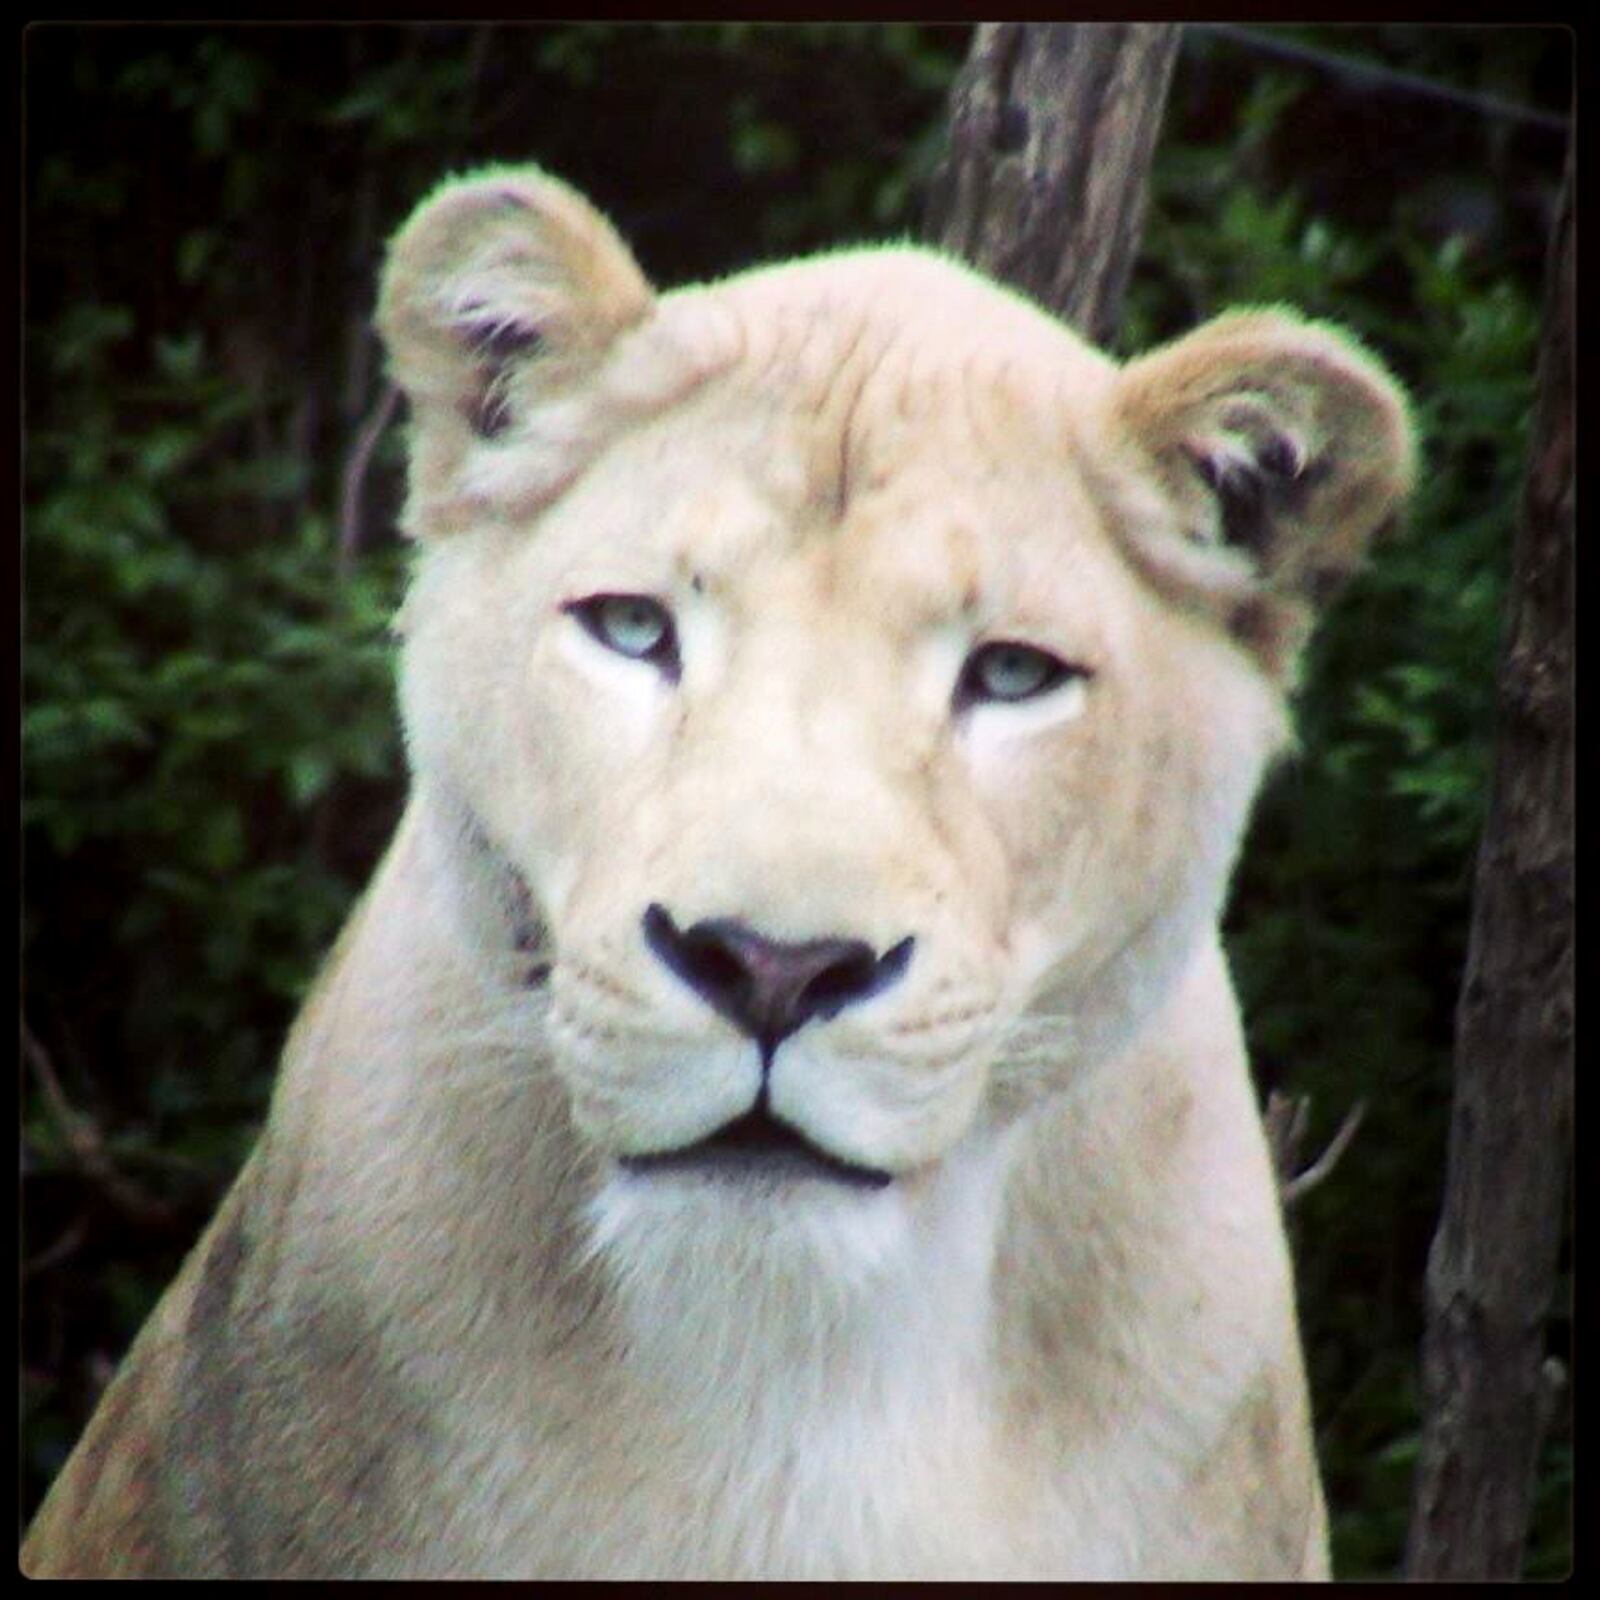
(780, 1110)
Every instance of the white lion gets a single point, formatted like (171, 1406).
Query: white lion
(780, 1110)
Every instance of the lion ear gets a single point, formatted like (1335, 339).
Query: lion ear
(500, 268)
(503, 301)
(1282, 448)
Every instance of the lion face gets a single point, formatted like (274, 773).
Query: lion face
(861, 678)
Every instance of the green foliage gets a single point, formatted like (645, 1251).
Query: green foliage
(210, 760)
(190, 691)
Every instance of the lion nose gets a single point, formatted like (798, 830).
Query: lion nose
(766, 987)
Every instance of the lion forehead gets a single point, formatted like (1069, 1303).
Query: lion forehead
(859, 368)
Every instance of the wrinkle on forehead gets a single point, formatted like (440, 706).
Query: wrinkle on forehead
(853, 395)
(814, 363)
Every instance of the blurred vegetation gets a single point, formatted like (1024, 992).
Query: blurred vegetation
(211, 764)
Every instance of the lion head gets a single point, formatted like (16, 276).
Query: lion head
(845, 677)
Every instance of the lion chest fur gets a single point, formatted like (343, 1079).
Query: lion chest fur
(780, 1109)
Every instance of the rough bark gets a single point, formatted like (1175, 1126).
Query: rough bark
(1051, 131)
(1492, 1266)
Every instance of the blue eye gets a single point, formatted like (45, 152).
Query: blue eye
(1007, 672)
(631, 625)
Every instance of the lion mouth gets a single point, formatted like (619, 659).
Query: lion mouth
(758, 1146)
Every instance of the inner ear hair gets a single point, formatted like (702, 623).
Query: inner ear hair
(1253, 491)
(496, 348)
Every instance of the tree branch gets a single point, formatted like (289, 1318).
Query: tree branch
(87, 1144)
(1052, 127)
(355, 478)
(1287, 1118)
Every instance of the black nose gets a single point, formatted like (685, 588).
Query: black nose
(767, 988)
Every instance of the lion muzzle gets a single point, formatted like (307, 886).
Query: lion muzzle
(770, 988)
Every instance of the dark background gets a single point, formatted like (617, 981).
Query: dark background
(211, 761)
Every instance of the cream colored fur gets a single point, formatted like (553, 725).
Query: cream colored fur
(437, 1329)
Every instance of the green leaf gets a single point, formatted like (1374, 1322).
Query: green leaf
(310, 773)
(220, 842)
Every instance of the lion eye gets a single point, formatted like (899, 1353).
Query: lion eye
(630, 625)
(1010, 672)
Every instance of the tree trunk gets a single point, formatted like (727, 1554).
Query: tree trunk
(1051, 132)
(1492, 1265)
